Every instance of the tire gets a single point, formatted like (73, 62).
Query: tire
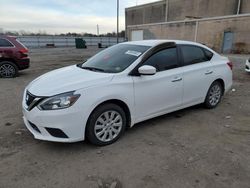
(106, 124)
(8, 69)
(214, 95)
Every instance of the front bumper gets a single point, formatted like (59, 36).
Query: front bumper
(69, 121)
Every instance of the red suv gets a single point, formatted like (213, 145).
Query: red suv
(13, 57)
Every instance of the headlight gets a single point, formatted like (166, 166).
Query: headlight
(57, 102)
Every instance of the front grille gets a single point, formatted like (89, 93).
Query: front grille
(29, 98)
(32, 100)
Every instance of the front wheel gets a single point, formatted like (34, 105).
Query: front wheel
(214, 95)
(106, 124)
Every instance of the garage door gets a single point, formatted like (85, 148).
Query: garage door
(137, 35)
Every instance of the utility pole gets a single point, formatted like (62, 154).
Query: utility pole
(117, 21)
(167, 9)
(239, 6)
(97, 27)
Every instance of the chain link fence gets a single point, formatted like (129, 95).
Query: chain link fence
(62, 41)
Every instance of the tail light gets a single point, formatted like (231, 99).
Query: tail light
(24, 52)
(230, 64)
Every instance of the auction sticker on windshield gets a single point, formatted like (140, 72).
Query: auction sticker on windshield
(134, 53)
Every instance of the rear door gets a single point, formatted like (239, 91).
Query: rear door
(197, 73)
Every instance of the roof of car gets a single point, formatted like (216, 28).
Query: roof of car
(153, 43)
(156, 42)
(6, 36)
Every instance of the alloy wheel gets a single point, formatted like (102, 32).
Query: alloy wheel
(215, 95)
(7, 70)
(108, 126)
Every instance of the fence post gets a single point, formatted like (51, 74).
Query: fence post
(38, 41)
(53, 40)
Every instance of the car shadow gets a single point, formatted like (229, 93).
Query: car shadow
(85, 146)
(165, 118)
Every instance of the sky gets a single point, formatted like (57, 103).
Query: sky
(62, 16)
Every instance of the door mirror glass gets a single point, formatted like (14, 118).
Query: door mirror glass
(147, 70)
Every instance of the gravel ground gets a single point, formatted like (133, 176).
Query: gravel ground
(194, 147)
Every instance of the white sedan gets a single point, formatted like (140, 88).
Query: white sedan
(121, 86)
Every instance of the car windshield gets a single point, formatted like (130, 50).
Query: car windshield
(115, 59)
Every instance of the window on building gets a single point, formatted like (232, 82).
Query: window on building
(164, 59)
(5, 43)
(193, 54)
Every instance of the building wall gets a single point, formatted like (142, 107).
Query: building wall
(181, 9)
(150, 13)
(167, 31)
(175, 10)
(193, 20)
(245, 6)
(209, 32)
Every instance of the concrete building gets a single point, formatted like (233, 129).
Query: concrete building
(223, 25)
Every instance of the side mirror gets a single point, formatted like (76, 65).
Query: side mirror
(147, 70)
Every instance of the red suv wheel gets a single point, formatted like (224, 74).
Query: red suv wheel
(8, 69)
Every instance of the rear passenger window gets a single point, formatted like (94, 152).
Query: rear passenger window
(193, 54)
(164, 59)
(5, 43)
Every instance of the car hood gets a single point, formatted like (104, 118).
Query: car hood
(66, 79)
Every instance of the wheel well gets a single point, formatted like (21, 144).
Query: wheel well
(222, 83)
(121, 104)
(9, 59)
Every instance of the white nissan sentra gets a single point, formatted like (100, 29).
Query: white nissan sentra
(121, 86)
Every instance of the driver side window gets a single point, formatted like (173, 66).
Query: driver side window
(163, 60)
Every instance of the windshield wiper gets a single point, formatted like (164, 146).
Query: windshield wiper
(93, 69)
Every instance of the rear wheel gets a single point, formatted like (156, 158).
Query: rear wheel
(214, 95)
(106, 124)
(8, 69)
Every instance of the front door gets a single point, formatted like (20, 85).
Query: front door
(160, 93)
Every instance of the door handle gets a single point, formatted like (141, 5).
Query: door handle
(177, 79)
(208, 72)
